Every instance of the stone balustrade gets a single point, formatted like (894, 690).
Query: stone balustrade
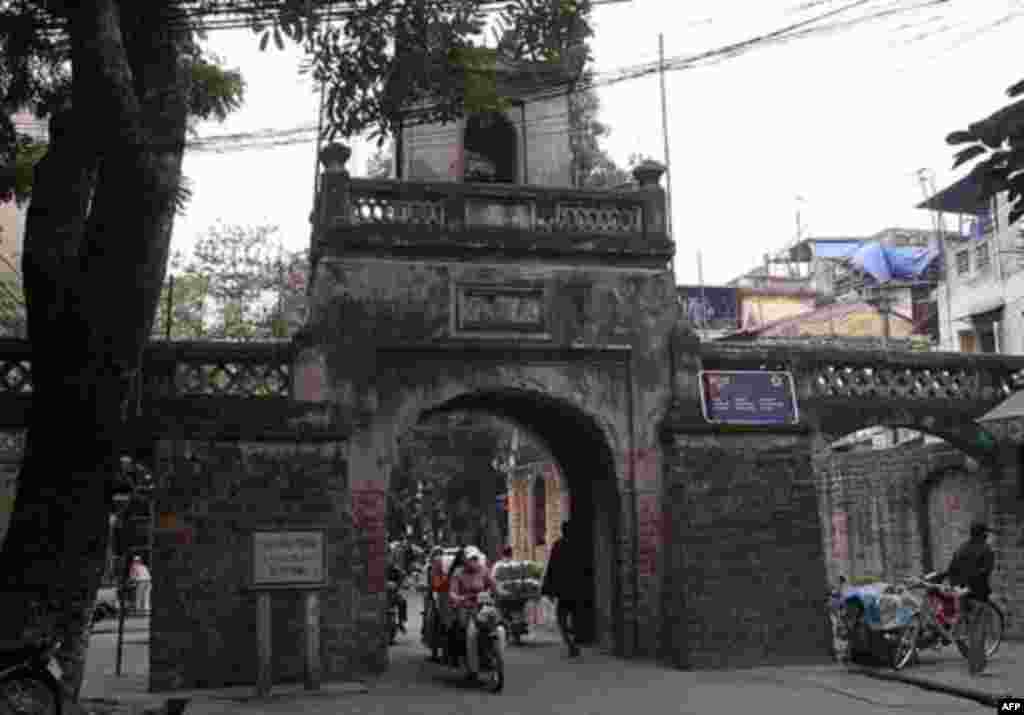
(845, 375)
(419, 217)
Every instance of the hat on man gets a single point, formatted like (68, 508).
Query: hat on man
(473, 552)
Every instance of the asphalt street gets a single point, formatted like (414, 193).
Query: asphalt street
(541, 679)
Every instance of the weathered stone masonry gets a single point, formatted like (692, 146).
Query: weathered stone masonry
(899, 512)
(744, 569)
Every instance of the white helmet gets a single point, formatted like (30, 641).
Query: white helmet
(473, 552)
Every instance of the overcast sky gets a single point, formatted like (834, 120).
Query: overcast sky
(843, 121)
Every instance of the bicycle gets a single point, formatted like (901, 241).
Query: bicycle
(946, 621)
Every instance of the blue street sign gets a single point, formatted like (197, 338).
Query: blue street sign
(748, 397)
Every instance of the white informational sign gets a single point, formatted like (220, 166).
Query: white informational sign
(288, 559)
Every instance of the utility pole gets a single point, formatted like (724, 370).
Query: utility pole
(664, 135)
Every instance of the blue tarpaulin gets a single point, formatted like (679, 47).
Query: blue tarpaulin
(835, 249)
(884, 263)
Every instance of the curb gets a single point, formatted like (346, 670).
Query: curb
(978, 696)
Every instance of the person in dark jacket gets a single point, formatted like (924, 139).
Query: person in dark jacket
(971, 568)
(973, 563)
(562, 580)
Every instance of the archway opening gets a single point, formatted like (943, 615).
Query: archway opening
(491, 149)
(897, 501)
(569, 460)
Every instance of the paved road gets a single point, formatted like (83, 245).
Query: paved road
(542, 680)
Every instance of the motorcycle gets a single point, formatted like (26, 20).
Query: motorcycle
(490, 643)
(879, 620)
(515, 588)
(396, 606)
(26, 683)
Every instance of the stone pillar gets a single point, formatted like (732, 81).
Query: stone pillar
(211, 494)
(746, 568)
(648, 175)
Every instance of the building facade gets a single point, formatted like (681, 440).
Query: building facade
(981, 299)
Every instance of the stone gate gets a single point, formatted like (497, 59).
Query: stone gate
(554, 308)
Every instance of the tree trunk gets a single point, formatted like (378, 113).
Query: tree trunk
(96, 246)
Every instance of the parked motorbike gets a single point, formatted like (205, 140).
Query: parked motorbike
(26, 683)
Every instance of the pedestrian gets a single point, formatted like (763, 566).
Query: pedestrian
(562, 580)
(971, 568)
(142, 580)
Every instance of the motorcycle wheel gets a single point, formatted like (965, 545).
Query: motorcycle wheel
(902, 652)
(496, 674)
(30, 693)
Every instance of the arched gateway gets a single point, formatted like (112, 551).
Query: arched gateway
(556, 309)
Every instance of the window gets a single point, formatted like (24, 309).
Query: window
(963, 263)
(968, 342)
(982, 258)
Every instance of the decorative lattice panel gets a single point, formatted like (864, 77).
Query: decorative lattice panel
(15, 376)
(236, 379)
(598, 219)
(379, 209)
(905, 383)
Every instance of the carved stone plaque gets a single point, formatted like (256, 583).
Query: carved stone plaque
(500, 309)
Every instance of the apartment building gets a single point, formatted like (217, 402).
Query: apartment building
(981, 298)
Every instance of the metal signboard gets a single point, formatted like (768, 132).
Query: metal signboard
(288, 559)
(748, 397)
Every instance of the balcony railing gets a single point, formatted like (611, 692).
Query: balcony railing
(383, 214)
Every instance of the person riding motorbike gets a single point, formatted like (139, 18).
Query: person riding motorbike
(396, 577)
(466, 586)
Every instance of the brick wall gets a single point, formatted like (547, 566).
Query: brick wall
(898, 512)
(745, 569)
(212, 495)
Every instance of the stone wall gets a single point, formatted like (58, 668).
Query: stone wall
(900, 512)
(211, 495)
(744, 564)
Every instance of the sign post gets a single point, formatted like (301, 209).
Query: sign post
(748, 397)
(288, 560)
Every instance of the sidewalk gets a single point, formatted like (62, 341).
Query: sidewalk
(946, 671)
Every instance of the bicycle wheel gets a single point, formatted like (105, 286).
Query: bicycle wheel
(29, 694)
(993, 622)
(902, 653)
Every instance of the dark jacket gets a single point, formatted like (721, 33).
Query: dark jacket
(972, 567)
(564, 576)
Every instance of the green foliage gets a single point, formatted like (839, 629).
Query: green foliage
(390, 57)
(238, 284)
(997, 144)
(534, 570)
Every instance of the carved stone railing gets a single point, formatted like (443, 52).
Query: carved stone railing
(15, 367)
(214, 369)
(182, 369)
(879, 377)
(417, 216)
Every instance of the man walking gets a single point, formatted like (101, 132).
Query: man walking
(562, 580)
(971, 568)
